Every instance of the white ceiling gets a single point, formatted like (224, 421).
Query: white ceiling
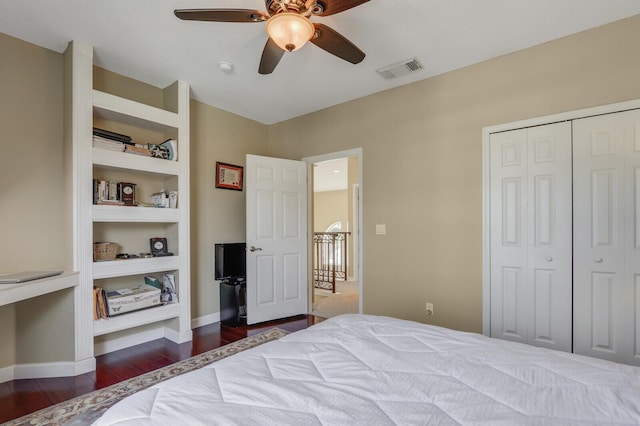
(331, 175)
(143, 39)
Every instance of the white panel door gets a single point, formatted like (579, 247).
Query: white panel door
(531, 236)
(606, 236)
(509, 244)
(632, 244)
(550, 241)
(276, 225)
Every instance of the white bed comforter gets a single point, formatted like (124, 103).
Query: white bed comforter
(369, 370)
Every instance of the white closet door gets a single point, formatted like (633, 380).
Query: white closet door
(550, 241)
(632, 243)
(531, 235)
(509, 244)
(606, 236)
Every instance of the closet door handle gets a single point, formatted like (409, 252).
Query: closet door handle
(252, 248)
(598, 260)
(549, 259)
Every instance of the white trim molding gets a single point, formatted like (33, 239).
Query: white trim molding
(355, 152)
(46, 369)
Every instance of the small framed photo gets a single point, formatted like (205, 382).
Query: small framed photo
(229, 176)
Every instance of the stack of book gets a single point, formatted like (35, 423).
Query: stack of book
(110, 140)
(114, 193)
(100, 308)
(106, 139)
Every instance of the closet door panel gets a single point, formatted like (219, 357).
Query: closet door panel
(543, 287)
(603, 289)
(549, 224)
(531, 236)
(509, 293)
(599, 237)
(632, 248)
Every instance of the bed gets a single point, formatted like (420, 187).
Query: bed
(372, 370)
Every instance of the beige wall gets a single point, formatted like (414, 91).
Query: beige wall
(31, 191)
(330, 207)
(217, 215)
(422, 161)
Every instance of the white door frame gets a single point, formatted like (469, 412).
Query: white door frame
(355, 229)
(356, 152)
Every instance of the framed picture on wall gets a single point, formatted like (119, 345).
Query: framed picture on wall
(229, 176)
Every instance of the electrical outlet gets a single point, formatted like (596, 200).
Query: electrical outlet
(429, 308)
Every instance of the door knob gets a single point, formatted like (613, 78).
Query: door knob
(598, 260)
(549, 259)
(252, 248)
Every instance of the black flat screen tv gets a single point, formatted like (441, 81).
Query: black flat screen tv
(230, 261)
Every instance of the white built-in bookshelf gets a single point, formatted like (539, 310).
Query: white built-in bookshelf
(129, 226)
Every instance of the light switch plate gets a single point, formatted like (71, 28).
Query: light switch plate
(381, 229)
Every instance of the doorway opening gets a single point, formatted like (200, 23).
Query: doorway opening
(335, 216)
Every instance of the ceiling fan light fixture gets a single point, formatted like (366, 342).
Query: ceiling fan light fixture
(290, 31)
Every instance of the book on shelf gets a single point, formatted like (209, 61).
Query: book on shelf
(113, 191)
(108, 144)
(110, 193)
(95, 303)
(100, 304)
(107, 134)
(110, 203)
(135, 149)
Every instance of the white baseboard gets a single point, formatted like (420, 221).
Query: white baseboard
(85, 366)
(46, 369)
(123, 342)
(205, 320)
(177, 336)
(6, 374)
(69, 368)
(115, 344)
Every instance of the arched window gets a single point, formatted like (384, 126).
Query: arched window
(335, 227)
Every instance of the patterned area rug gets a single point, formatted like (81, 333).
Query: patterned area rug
(85, 409)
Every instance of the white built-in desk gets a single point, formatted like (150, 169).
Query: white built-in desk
(11, 293)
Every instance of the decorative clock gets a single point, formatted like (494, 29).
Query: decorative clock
(128, 193)
(159, 247)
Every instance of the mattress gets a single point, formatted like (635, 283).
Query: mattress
(371, 370)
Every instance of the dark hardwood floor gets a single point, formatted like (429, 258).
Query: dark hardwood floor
(20, 397)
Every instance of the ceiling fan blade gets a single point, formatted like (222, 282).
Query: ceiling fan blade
(222, 15)
(271, 56)
(332, 7)
(336, 44)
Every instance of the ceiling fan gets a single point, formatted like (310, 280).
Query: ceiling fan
(289, 27)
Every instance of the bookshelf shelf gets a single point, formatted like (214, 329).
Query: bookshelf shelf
(115, 108)
(11, 293)
(126, 267)
(127, 161)
(135, 319)
(134, 214)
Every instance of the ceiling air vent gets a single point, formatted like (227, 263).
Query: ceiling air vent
(400, 69)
